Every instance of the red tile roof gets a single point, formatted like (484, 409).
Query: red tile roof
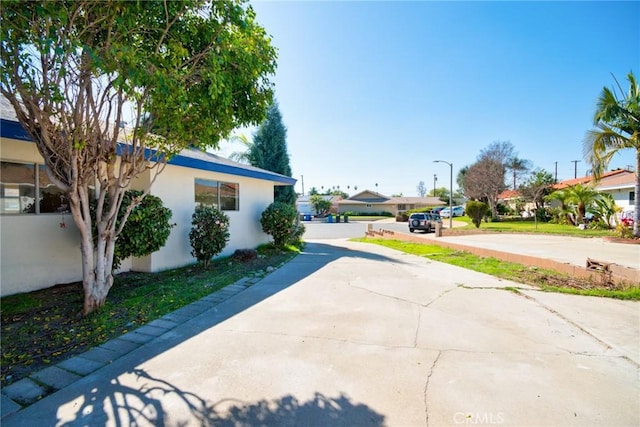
(627, 179)
(509, 194)
(586, 179)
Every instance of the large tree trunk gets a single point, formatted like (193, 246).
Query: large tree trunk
(97, 255)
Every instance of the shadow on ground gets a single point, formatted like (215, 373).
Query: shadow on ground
(107, 393)
(119, 404)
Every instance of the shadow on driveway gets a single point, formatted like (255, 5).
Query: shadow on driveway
(139, 406)
(100, 398)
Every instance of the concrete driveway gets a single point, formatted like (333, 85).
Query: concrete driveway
(565, 249)
(355, 334)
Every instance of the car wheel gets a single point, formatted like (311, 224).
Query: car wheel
(411, 230)
(428, 229)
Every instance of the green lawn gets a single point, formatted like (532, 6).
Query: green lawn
(547, 280)
(43, 327)
(532, 227)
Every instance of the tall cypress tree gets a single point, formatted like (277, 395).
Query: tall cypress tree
(269, 151)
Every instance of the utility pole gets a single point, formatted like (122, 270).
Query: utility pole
(556, 175)
(435, 179)
(302, 177)
(575, 168)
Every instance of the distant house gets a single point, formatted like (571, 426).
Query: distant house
(621, 186)
(589, 179)
(40, 244)
(510, 198)
(370, 202)
(620, 183)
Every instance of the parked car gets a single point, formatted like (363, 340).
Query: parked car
(457, 211)
(437, 210)
(423, 221)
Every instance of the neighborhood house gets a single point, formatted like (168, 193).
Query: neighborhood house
(40, 245)
(369, 202)
(620, 183)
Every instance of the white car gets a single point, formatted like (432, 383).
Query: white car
(457, 211)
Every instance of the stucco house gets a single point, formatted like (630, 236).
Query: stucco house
(620, 183)
(373, 202)
(621, 186)
(40, 245)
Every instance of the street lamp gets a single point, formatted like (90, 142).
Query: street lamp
(450, 192)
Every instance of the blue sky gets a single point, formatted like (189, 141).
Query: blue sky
(373, 92)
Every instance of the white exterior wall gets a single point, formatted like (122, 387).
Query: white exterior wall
(621, 196)
(176, 187)
(36, 252)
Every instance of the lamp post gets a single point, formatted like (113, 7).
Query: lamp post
(450, 192)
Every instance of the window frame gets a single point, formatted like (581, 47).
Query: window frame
(38, 168)
(221, 201)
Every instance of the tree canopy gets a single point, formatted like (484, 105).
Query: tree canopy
(269, 151)
(84, 76)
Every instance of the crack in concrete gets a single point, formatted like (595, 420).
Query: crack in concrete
(426, 388)
(578, 327)
(320, 338)
(560, 352)
(440, 295)
(415, 337)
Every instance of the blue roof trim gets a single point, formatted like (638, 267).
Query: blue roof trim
(231, 170)
(14, 130)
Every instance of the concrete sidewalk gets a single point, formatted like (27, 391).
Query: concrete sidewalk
(356, 334)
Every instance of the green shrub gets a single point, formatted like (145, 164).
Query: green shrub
(209, 233)
(476, 211)
(146, 230)
(402, 217)
(281, 221)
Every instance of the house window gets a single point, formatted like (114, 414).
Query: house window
(632, 197)
(52, 199)
(368, 205)
(17, 188)
(21, 184)
(222, 195)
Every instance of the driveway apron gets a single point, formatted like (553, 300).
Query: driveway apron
(355, 334)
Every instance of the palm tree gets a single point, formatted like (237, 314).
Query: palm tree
(517, 166)
(241, 156)
(617, 119)
(583, 197)
(605, 209)
(563, 197)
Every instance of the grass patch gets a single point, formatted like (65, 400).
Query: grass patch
(44, 327)
(529, 226)
(546, 280)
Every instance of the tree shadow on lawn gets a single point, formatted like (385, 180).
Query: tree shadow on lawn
(314, 257)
